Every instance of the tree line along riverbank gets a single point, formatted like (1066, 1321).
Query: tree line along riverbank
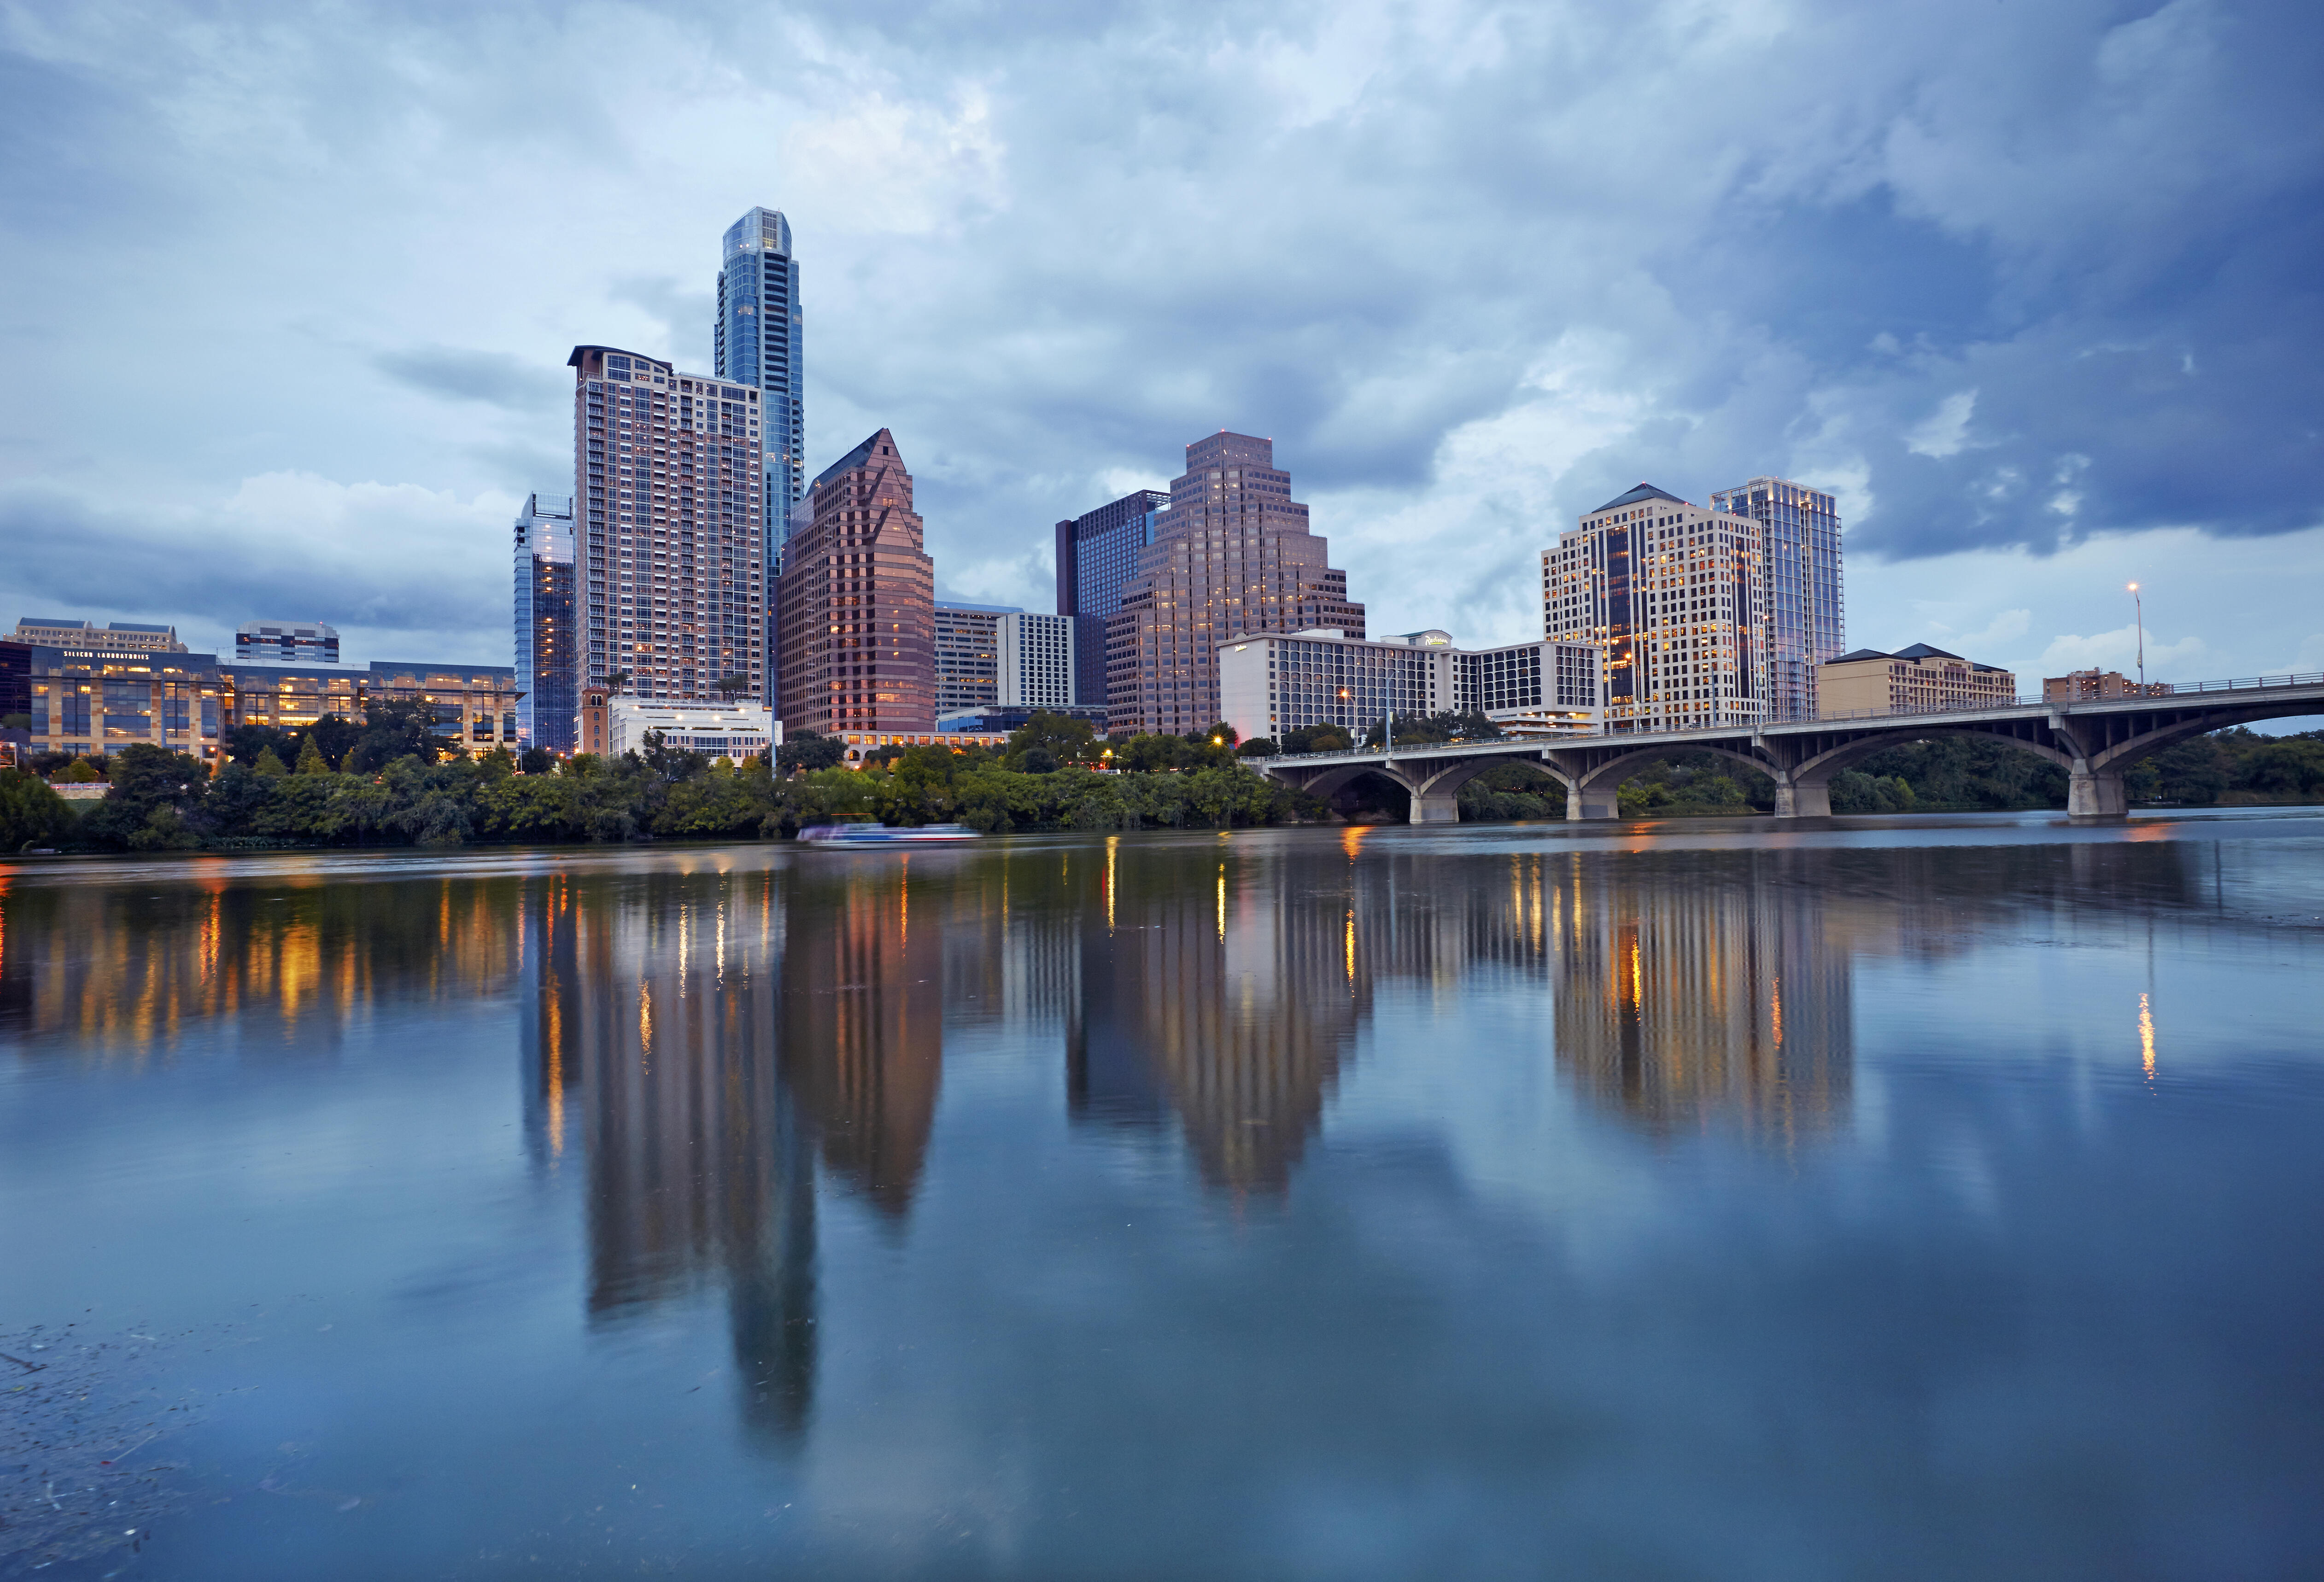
(388, 782)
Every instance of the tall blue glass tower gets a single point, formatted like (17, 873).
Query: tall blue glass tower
(757, 342)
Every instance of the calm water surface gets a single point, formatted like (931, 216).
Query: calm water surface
(1921, 1198)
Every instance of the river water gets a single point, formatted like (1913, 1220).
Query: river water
(1931, 1197)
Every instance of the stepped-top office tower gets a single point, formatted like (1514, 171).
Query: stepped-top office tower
(1097, 555)
(547, 637)
(1675, 596)
(1230, 555)
(671, 525)
(857, 621)
(1806, 621)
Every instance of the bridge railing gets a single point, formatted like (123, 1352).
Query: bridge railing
(2153, 689)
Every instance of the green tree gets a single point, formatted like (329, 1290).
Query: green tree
(268, 765)
(30, 815)
(311, 758)
(805, 750)
(1065, 740)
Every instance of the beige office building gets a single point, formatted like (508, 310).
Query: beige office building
(1672, 593)
(1911, 681)
(86, 637)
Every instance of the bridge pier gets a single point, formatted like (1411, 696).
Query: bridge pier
(1795, 800)
(1437, 807)
(2095, 793)
(1584, 801)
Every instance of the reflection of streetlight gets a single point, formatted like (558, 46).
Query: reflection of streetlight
(2139, 606)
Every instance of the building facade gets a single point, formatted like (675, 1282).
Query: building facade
(857, 614)
(968, 656)
(90, 701)
(756, 341)
(286, 642)
(2088, 685)
(1230, 557)
(474, 706)
(729, 731)
(290, 697)
(1671, 595)
(547, 635)
(1037, 660)
(1270, 683)
(669, 529)
(1097, 555)
(1803, 604)
(86, 636)
(1001, 719)
(1910, 681)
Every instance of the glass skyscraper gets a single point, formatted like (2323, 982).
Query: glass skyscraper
(546, 632)
(1097, 555)
(758, 343)
(1807, 613)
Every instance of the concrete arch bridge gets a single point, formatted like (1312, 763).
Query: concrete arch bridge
(2093, 740)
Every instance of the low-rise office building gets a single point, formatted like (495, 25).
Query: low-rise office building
(2088, 685)
(86, 637)
(860, 744)
(1914, 680)
(1273, 682)
(735, 731)
(91, 702)
(1001, 720)
(286, 642)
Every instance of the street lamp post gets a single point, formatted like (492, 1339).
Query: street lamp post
(2138, 605)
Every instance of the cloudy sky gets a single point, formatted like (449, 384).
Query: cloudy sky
(2032, 286)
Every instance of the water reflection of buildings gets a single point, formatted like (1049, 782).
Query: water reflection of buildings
(1227, 991)
(1721, 994)
(130, 971)
(653, 1011)
(698, 1040)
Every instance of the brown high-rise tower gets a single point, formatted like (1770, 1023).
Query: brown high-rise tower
(1232, 554)
(857, 601)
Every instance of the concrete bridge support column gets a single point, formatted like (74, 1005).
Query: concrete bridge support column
(1436, 807)
(1795, 800)
(2096, 793)
(1588, 801)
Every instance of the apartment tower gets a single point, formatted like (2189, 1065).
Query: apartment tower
(858, 602)
(1675, 596)
(1807, 613)
(546, 632)
(669, 529)
(1230, 555)
(1097, 555)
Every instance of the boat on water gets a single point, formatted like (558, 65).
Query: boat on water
(882, 835)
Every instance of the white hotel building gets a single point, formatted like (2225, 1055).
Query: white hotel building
(1273, 682)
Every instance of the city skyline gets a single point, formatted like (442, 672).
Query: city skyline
(1908, 313)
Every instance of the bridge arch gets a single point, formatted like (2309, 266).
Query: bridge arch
(1592, 791)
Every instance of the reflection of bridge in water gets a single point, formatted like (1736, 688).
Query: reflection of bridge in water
(2094, 741)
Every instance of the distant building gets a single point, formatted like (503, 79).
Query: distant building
(1230, 556)
(1804, 619)
(732, 730)
(474, 706)
(1097, 555)
(286, 642)
(859, 745)
(968, 655)
(756, 342)
(1914, 680)
(1672, 594)
(1002, 719)
(548, 633)
(90, 701)
(290, 697)
(2087, 685)
(1270, 683)
(670, 527)
(1037, 660)
(858, 604)
(15, 678)
(120, 638)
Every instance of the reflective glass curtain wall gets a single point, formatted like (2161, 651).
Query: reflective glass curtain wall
(1806, 610)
